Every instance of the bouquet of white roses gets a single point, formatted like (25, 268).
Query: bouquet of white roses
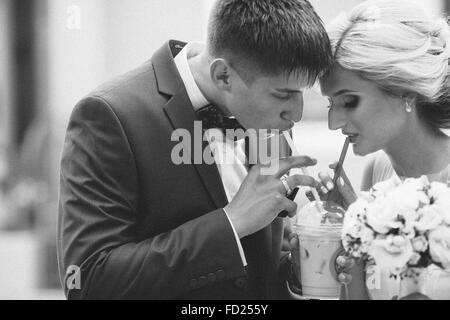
(402, 226)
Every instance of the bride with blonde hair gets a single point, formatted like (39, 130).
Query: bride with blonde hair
(389, 92)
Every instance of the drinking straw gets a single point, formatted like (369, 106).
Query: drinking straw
(338, 170)
(304, 170)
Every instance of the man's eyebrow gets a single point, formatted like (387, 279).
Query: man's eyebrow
(341, 92)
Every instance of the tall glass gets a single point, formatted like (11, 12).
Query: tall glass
(319, 232)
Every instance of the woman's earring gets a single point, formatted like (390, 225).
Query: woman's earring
(408, 108)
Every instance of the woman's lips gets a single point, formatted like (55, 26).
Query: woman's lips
(352, 137)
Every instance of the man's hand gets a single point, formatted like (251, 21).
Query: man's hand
(262, 197)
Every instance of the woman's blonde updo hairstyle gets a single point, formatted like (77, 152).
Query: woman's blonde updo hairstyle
(403, 50)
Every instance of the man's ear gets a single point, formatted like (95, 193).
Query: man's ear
(220, 74)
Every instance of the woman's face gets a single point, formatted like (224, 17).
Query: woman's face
(373, 119)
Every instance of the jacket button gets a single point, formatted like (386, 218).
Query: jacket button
(212, 278)
(193, 283)
(202, 281)
(220, 274)
(240, 282)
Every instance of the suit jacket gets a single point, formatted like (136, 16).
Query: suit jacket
(137, 225)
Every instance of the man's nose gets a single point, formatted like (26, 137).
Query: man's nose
(336, 119)
(296, 111)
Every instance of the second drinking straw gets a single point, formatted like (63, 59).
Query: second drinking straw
(304, 170)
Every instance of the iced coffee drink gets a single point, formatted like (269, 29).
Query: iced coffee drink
(319, 230)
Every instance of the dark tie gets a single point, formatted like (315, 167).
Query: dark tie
(212, 117)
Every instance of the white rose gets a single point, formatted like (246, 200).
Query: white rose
(408, 197)
(429, 218)
(384, 187)
(415, 258)
(439, 242)
(420, 244)
(352, 230)
(367, 197)
(392, 252)
(363, 234)
(364, 248)
(417, 183)
(439, 190)
(382, 216)
(404, 202)
(441, 194)
(353, 219)
(409, 229)
(357, 207)
(367, 235)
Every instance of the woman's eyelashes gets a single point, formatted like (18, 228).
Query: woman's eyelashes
(347, 102)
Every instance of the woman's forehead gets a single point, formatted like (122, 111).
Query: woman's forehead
(339, 79)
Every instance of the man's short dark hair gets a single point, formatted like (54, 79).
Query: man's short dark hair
(275, 36)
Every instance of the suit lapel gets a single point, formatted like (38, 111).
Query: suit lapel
(181, 114)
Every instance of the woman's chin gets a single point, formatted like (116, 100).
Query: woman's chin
(359, 150)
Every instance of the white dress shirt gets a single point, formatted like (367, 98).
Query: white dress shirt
(232, 172)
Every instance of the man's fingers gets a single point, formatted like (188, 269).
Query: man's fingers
(290, 207)
(287, 164)
(292, 214)
(284, 204)
(296, 180)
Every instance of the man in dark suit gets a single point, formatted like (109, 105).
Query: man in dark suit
(134, 224)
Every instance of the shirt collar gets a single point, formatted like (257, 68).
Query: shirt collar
(192, 49)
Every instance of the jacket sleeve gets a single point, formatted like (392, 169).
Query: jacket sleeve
(98, 210)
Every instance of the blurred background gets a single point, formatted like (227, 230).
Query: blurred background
(52, 53)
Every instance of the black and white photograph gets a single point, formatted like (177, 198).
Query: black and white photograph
(235, 151)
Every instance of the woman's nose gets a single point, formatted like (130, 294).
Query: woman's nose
(336, 119)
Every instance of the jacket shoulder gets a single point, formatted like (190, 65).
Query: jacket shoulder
(133, 83)
(130, 93)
